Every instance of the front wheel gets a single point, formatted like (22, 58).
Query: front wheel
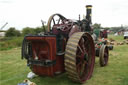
(104, 55)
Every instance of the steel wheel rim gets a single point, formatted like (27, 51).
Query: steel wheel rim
(106, 55)
(85, 65)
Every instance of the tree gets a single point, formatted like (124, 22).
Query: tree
(27, 31)
(107, 28)
(11, 32)
(97, 26)
(38, 30)
(33, 31)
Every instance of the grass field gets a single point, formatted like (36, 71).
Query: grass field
(13, 70)
(7, 43)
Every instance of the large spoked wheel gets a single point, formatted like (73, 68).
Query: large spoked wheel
(80, 57)
(55, 19)
(104, 55)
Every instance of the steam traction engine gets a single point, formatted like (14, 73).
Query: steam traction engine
(66, 46)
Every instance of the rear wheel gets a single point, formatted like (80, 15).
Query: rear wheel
(80, 57)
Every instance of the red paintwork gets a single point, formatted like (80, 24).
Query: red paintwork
(74, 29)
(45, 48)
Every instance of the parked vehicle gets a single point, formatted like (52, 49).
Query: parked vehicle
(125, 35)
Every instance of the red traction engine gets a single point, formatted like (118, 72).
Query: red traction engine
(66, 46)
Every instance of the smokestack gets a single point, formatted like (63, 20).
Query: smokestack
(88, 13)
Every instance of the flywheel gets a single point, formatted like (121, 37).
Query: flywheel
(55, 19)
(80, 57)
(104, 55)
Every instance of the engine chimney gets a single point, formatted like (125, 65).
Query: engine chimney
(88, 14)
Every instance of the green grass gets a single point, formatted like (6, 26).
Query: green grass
(116, 73)
(116, 38)
(13, 70)
(7, 43)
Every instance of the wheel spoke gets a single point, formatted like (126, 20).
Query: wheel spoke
(81, 57)
(82, 44)
(86, 45)
(84, 49)
(86, 62)
(105, 54)
(80, 49)
(58, 21)
(79, 68)
(53, 21)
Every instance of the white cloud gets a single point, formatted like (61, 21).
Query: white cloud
(23, 13)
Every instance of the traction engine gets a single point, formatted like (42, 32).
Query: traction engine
(67, 46)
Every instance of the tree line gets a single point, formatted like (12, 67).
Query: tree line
(13, 32)
(112, 29)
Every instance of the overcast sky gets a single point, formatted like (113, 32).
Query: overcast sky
(28, 13)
